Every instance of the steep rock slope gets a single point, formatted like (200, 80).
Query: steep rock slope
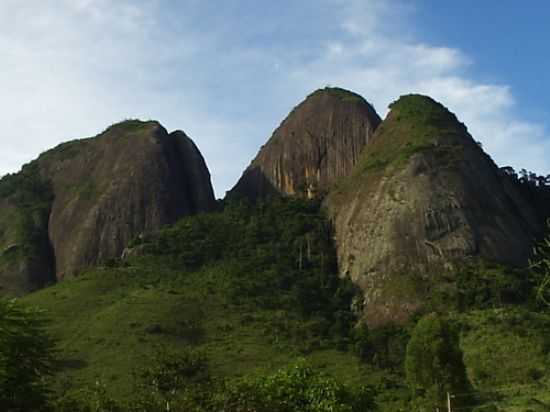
(100, 193)
(26, 261)
(423, 197)
(319, 142)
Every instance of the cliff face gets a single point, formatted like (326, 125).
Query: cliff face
(133, 178)
(26, 261)
(423, 198)
(318, 143)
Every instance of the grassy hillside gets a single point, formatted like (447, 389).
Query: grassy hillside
(252, 289)
(228, 298)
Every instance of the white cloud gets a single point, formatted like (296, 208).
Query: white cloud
(227, 75)
(383, 66)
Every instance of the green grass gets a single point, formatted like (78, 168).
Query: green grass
(248, 315)
(507, 354)
(131, 126)
(342, 94)
(253, 289)
(415, 124)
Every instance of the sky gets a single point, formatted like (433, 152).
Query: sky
(227, 72)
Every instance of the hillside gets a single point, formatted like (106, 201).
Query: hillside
(253, 289)
(373, 267)
(248, 290)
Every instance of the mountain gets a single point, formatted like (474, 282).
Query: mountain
(423, 200)
(230, 285)
(412, 199)
(328, 282)
(318, 143)
(80, 203)
(217, 302)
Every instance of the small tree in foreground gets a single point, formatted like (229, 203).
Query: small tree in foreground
(434, 364)
(26, 358)
(540, 266)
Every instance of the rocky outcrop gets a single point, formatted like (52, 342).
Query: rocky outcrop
(133, 178)
(318, 143)
(26, 261)
(423, 198)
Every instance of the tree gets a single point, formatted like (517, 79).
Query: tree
(297, 388)
(434, 364)
(540, 267)
(26, 358)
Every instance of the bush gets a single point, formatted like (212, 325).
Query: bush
(298, 388)
(434, 364)
(384, 346)
(26, 358)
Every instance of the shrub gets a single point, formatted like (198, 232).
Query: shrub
(434, 364)
(298, 388)
(26, 358)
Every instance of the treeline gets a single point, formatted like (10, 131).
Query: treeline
(526, 177)
(535, 188)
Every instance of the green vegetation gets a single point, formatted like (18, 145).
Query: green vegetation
(416, 123)
(342, 94)
(434, 364)
(183, 385)
(129, 126)
(250, 289)
(27, 187)
(204, 311)
(296, 388)
(31, 197)
(65, 151)
(26, 358)
(480, 284)
(541, 270)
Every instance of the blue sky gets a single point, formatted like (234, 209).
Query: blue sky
(228, 72)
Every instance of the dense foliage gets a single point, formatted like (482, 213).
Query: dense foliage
(282, 251)
(296, 388)
(26, 358)
(200, 313)
(434, 363)
(540, 266)
(187, 387)
(32, 196)
(480, 284)
(535, 188)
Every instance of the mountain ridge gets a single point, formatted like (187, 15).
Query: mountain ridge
(335, 270)
(132, 178)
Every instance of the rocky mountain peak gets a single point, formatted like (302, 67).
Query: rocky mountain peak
(318, 143)
(80, 203)
(422, 199)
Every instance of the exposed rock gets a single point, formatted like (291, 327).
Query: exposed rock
(26, 261)
(318, 143)
(423, 197)
(131, 252)
(131, 179)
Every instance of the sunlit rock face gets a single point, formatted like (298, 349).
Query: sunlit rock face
(319, 142)
(422, 200)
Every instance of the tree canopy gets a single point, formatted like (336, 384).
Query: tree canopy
(26, 358)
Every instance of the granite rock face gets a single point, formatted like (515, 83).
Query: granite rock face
(318, 143)
(423, 198)
(131, 179)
